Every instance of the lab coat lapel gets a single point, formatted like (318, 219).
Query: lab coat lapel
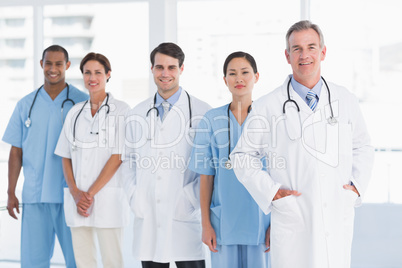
(304, 109)
(178, 111)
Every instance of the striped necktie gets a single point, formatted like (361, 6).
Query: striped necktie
(312, 99)
(166, 107)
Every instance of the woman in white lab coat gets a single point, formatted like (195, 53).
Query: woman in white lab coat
(90, 144)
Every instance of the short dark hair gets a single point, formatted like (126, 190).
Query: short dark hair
(96, 57)
(240, 54)
(56, 48)
(170, 49)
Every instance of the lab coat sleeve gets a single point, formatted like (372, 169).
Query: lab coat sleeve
(363, 152)
(64, 145)
(203, 131)
(201, 160)
(246, 161)
(128, 166)
(120, 131)
(192, 192)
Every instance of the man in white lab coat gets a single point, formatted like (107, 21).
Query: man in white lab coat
(319, 159)
(165, 194)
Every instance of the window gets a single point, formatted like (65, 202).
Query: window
(219, 28)
(364, 54)
(119, 31)
(15, 23)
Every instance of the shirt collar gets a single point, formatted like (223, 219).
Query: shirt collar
(172, 100)
(302, 90)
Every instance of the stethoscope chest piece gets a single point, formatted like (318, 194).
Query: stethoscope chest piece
(332, 121)
(28, 122)
(228, 164)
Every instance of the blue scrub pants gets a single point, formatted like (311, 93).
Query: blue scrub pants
(240, 256)
(40, 223)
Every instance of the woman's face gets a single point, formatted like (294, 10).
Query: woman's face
(240, 77)
(94, 76)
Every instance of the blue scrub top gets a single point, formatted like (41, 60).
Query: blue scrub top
(235, 216)
(43, 172)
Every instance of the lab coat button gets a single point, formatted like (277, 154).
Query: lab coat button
(326, 234)
(159, 178)
(158, 201)
(160, 153)
(104, 141)
(324, 205)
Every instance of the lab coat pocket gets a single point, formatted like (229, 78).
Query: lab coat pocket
(137, 203)
(107, 138)
(110, 208)
(349, 200)
(345, 149)
(184, 209)
(286, 217)
(70, 209)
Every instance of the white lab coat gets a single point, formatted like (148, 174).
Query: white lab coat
(314, 230)
(110, 207)
(164, 194)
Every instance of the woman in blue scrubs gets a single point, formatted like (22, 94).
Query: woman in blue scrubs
(233, 226)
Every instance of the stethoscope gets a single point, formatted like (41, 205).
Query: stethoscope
(28, 122)
(331, 120)
(228, 163)
(106, 105)
(157, 111)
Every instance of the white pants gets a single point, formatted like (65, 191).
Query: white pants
(84, 246)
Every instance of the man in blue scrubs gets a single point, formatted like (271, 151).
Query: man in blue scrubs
(32, 132)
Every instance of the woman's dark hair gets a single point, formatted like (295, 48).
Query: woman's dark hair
(240, 54)
(97, 57)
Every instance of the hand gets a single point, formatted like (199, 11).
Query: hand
(83, 201)
(209, 237)
(89, 197)
(283, 193)
(268, 239)
(13, 203)
(352, 188)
